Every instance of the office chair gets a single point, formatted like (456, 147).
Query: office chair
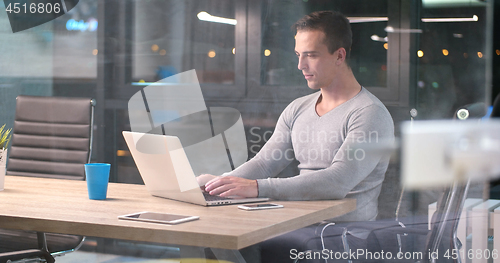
(394, 236)
(52, 138)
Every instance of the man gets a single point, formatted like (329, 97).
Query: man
(320, 130)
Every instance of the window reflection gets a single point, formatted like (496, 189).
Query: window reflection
(451, 64)
(170, 38)
(75, 42)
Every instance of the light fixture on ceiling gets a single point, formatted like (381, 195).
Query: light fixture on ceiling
(474, 18)
(391, 29)
(204, 16)
(367, 19)
(380, 39)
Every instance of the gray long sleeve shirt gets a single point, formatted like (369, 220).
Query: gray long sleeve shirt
(330, 165)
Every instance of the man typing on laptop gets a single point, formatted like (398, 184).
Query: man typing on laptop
(320, 131)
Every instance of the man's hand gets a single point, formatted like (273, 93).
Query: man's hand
(228, 186)
(204, 178)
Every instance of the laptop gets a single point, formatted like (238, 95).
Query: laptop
(167, 173)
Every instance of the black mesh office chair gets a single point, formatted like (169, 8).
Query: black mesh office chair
(52, 138)
(392, 236)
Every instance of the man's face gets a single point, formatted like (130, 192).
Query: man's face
(315, 62)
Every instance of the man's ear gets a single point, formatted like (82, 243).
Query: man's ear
(341, 55)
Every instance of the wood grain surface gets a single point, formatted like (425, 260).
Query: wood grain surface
(63, 206)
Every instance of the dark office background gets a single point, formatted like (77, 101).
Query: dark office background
(496, 56)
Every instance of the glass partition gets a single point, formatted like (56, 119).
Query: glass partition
(450, 71)
(430, 56)
(454, 58)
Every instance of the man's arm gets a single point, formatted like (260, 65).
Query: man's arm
(274, 156)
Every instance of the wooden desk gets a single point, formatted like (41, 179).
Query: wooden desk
(62, 206)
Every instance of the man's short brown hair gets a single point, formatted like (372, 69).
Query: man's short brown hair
(335, 25)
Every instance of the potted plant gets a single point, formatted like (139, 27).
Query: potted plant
(4, 141)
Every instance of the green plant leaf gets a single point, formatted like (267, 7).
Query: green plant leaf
(5, 136)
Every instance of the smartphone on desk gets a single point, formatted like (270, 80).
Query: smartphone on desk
(162, 218)
(251, 207)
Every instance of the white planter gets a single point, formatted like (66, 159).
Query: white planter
(3, 157)
(3, 162)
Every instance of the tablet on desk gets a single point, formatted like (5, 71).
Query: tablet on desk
(162, 218)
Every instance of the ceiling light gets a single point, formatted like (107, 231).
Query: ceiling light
(380, 39)
(204, 16)
(391, 29)
(474, 18)
(367, 19)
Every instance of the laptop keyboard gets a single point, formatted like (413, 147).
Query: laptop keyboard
(209, 197)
